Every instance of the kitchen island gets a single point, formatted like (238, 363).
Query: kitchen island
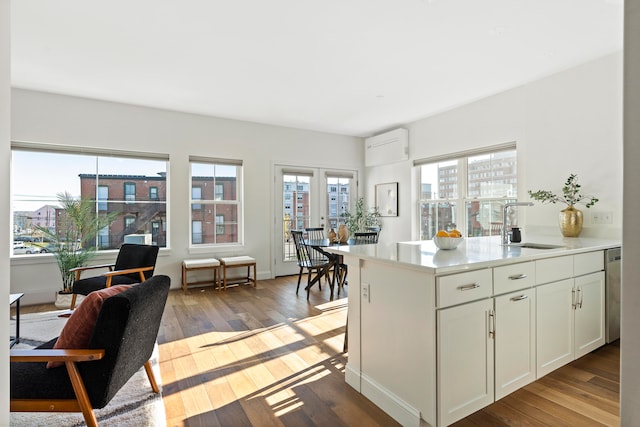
(435, 335)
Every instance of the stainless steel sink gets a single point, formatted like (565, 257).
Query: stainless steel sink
(530, 245)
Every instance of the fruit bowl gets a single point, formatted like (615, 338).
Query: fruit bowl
(447, 242)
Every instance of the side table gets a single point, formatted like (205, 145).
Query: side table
(15, 298)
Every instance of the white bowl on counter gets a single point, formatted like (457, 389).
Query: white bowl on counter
(447, 242)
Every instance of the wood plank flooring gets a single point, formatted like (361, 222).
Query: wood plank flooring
(266, 357)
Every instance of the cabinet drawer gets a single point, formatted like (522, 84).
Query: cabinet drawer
(513, 277)
(463, 287)
(553, 269)
(589, 262)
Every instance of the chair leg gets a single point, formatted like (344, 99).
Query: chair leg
(309, 282)
(81, 394)
(73, 302)
(299, 277)
(152, 378)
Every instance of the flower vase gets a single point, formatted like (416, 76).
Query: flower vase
(343, 233)
(571, 222)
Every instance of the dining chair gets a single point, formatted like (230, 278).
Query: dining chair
(313, 260)
(365, 237)
(375, 229)
(315, 233)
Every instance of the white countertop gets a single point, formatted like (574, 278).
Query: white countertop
(473, 253)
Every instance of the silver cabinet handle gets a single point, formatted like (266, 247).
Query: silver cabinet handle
(520, 297)
(492, 324)
(573, 298)
(518, 276)
(468, 287)
(580, 293)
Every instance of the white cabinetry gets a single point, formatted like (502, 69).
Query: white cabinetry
(570, 312)
(465, 355)
(486, 348)
(515, 341)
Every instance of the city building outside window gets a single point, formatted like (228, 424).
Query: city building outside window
(216, 213)
(467, 191)
(116, 181)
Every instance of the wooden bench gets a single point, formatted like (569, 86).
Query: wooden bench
(237, 262)
(200, 264)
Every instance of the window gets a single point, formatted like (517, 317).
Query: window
(108, 178)
(153, 193)
(103, 196)
(467, 191)
(216, 208)
(196, 194)
(219, 224)
(130, 224)
(196, 232)
(130, 191)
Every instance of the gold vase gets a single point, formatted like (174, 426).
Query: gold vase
(571, 222)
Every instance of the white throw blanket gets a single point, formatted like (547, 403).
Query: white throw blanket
(135, 404)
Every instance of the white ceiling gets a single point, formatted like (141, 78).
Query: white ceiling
(353, 67)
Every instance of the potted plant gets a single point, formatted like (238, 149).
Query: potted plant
(363, 219)
(570, 218)
(77, 225)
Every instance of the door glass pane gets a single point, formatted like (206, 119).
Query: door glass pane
(295, 210)
(338, 199)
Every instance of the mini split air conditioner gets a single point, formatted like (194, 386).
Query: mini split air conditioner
(388, 147)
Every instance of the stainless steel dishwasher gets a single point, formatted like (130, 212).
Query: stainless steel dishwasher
(613, 260)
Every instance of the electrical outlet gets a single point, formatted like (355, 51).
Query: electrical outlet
(602, 217)
(365, 292)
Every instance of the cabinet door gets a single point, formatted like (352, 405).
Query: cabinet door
(465, 360)
(589, 313)
(554, 326)
(515, 341)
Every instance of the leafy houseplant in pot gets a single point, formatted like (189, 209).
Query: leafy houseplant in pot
(570, 218)
(362, 219)
(78, 224)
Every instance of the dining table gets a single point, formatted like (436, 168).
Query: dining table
(335, 262)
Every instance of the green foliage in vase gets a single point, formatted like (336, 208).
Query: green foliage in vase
(363, 218)
(79, 224)
(571, 194)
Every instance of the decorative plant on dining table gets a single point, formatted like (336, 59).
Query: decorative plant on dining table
(363, 218)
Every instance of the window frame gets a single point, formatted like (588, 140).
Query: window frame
(104, 243)
(214, 204)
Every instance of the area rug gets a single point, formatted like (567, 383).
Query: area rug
(134, 405)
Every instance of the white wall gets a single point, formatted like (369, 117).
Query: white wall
(5, 153)
(570, 122)
(630, 339)
(57, 119)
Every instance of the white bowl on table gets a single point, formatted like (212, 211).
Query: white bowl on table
(447, 242)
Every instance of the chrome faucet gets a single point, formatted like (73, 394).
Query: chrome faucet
(505, 210)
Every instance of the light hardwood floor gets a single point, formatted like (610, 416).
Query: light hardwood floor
(266, 357)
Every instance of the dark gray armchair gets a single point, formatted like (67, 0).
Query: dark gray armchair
(122, 342)
(134, 264)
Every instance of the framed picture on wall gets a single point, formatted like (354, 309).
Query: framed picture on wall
(387, 199)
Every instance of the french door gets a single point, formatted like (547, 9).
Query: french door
(307, 197)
